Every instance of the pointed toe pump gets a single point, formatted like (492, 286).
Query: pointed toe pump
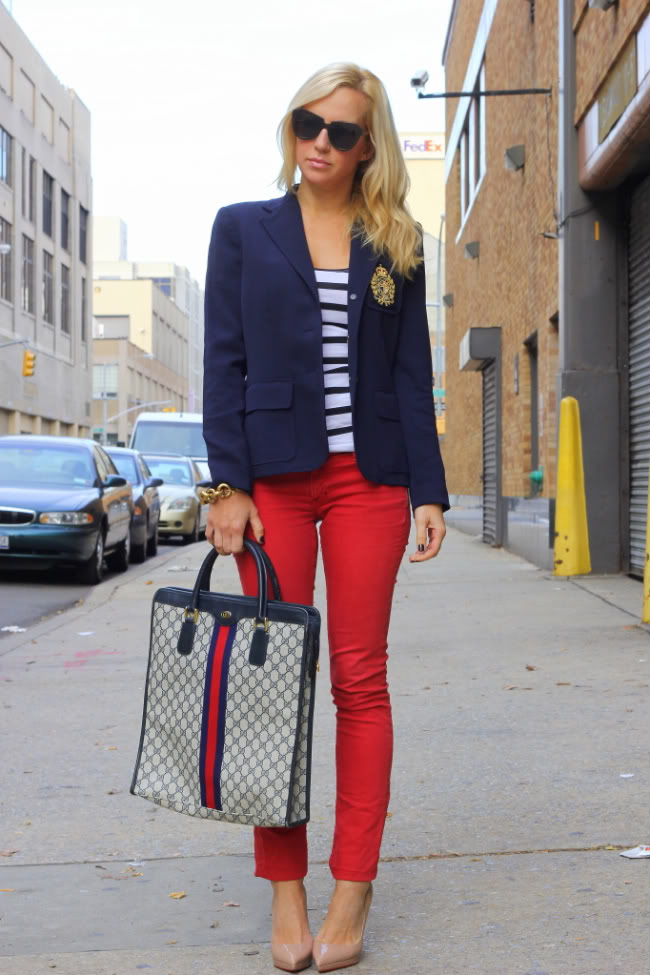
(329, 956)
(292, 957)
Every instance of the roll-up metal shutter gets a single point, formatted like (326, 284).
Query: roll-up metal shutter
(491, 459)
(639, 370)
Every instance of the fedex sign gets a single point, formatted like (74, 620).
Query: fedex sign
(423, 145)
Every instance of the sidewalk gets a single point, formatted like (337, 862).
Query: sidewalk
(508, 811)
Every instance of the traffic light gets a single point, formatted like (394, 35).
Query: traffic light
(29, 361)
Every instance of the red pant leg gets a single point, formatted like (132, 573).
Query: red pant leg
(364, 532)
(285, 507)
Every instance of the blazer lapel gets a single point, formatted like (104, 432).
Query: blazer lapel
(285, 228)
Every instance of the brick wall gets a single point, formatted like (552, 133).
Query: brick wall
(513, 284)
(601, 35)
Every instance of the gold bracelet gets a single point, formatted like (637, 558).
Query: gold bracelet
(223, 490)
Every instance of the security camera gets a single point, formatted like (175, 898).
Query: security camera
(419, 79)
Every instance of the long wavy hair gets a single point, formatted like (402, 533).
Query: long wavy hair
(379, 214)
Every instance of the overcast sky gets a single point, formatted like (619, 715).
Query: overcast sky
(185, 97)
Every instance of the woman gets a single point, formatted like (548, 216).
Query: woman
(318, 408)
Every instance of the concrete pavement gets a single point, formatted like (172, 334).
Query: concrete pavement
(514, 789)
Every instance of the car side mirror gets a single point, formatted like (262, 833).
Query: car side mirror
(114, 481)
(155, 482)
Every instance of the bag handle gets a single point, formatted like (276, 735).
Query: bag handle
(260, 639)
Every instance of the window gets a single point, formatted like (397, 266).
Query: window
(84, 308)
(31, 208)
(48, 203)
(5, 156)
(65, 220)
(165, 285)
(83, 233)
(23, 182)
(472, 146)
(106, 379)
(47, 306)
(5, 261)
(27, 282)
(65, 299)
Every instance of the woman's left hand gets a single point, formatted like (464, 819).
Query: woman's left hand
(429, 530)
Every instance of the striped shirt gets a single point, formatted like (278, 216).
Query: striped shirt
(333, 296)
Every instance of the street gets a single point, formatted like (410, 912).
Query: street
(520, 774)
(30, 596)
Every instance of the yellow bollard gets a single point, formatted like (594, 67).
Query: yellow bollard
(645, 615)
(571, 555)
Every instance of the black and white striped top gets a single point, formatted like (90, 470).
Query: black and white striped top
(333, 296)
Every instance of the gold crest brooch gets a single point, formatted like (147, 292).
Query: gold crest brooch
(383, 286)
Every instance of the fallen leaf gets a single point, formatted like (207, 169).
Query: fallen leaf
(7, 890)
(7, 853)
(531, 667)
(510, 687)
(149, 582)
(610, 847)
(112, 792)
(388, 815)
(111, 748)
(172, 942)
(178, 895)
(231, 904)
(563, 683)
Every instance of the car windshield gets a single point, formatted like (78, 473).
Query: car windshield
(31, 463)
(171, 437)
(172, 470)
(126, 465)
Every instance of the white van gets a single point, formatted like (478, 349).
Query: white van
(172, 433)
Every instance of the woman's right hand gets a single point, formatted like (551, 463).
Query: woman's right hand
(227, 521)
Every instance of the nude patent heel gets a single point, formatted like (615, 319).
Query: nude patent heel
(328, 956)
(292, 957)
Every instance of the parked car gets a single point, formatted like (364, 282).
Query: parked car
(146, 500)
(62, 502)
(181, 511)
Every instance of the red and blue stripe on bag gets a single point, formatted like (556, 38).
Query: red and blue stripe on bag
(214, 716)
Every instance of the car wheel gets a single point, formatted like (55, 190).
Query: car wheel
(92, 571)
(139, 549)
(119, 560)
(152, 544)
(192, 536)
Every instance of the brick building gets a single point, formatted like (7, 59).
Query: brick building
(548, 267)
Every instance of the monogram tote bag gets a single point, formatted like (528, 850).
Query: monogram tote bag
(229, 702)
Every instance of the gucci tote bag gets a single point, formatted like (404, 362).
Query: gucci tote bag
(229, 702)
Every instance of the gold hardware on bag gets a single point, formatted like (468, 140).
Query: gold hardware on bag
(191, 614)
(383, 286)
(226, 614)
(262, 623)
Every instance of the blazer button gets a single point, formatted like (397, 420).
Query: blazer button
(352, 297)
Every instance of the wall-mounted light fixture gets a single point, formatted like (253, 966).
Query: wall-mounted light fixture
(472, 249)
(448, 300)
(602, 4)
(515, 157)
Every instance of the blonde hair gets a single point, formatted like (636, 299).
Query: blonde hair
(379, 214)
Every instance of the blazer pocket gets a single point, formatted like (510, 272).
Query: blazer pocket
(392, 448)
(269, 421)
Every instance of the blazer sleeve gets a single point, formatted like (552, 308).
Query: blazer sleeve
(412, 375)
(224, 358)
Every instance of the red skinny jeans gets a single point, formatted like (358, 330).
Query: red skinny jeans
(364, 529)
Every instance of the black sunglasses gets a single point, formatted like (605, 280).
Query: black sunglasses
(342, 135)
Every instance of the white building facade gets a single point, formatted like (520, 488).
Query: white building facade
(45, 244)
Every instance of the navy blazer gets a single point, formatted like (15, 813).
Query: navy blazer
(264, 399)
